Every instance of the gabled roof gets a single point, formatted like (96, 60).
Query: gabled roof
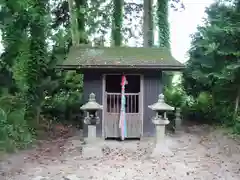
(120, 57)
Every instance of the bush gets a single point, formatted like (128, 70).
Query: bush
(63, 106)
(14, 131)
(236, 126)
(224, 114)
(199, 109)
(174, 96)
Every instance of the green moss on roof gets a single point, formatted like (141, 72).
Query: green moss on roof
(119, 56)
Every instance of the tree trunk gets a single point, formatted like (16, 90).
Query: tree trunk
(237, 101)
(38, 58)
(147, 23)
(163, 24)
(38, 113)
(74, 24)
(81, 6)
(237, 2)
(117, 22)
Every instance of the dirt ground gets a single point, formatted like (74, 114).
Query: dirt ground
(199, 153)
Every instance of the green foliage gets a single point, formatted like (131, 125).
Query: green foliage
(95, 14)
(236, 128)
(214, 56)
(63, 106)
(174, 96)
(64, 103)
(199, 109)
(74, 81)
(163, 25)
(29, 67)
(20, 67)
(214, 66)
(13, 22)
(14, 131)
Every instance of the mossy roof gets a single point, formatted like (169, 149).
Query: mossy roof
(120, 57)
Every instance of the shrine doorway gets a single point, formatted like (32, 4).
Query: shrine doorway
(112, 105)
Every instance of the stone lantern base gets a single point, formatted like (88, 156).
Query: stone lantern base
(178, 121)
(93, 146)
(91, 150)
(92, 136)
(160, 129)
(161, 147)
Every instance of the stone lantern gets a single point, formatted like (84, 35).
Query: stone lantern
(178, 120)
(92, 118)
(160, 121)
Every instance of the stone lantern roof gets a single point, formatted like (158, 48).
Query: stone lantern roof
(91, 104)
(160, 105)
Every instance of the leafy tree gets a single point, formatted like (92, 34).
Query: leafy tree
(14, 21)
(31, 69)
(214, 64)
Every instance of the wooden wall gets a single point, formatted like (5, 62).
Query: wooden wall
(152, 88)
(93, 83)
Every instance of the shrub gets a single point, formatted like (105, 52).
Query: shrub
(14, 129)
(236, 127)
(174, 96)
(199, 109)
(63, 106)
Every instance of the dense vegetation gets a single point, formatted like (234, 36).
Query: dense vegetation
(210, 88)
(36, 34)
(31, 88)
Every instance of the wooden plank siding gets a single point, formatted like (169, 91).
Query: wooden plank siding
(93, 83)
(152, 88)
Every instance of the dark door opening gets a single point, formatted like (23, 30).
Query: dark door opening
(132, 93)
(113, 83)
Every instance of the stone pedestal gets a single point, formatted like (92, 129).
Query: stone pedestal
(91, 133)
(93, 149)
(161, 147)
(81, 136)
(160, 129)
(178, 121)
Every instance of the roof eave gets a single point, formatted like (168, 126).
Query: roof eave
(162, 67)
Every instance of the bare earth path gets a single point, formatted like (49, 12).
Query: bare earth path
(199, 154)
